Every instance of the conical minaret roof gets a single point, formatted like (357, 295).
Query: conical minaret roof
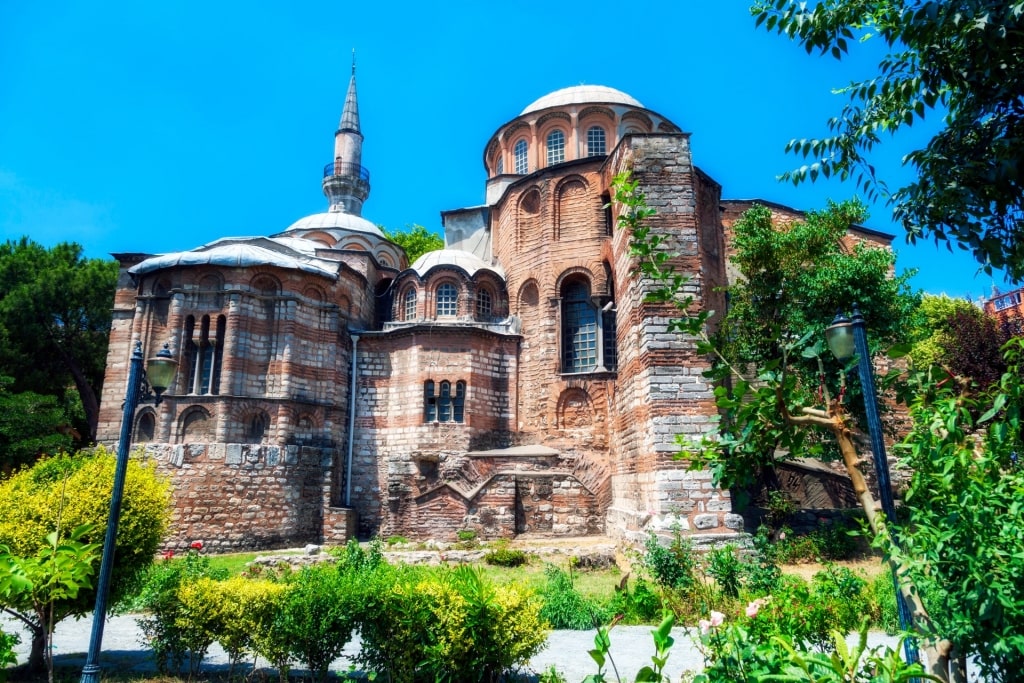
(346, 183)
(350, 114)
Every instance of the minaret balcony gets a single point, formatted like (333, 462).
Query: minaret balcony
(344, 168)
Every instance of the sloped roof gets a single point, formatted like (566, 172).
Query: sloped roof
(240, 252)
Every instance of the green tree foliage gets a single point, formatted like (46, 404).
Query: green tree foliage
(958, 60)
(962, 338)
(416, 240)
(55, 311)
(962, 541)
(795, 278)
(71, 492)
(30, 425)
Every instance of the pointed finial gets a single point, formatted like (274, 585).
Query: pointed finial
(353, 61)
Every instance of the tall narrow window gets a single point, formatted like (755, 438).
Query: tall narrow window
(609, 331)
(556, 147)
(444, 403)
(519, 151)
(447, 300)
(484, 304)
(429, 402)
(595, 142)
(459, 402)
(204, 350)
(409, 304)
(579, 329)
(500, 167)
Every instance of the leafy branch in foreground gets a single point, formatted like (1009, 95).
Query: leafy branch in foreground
(960, 60)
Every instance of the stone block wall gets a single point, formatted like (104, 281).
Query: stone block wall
(244, 496)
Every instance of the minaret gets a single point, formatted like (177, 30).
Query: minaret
(346, 182)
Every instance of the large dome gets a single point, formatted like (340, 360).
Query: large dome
(581, 94)
(335, 220)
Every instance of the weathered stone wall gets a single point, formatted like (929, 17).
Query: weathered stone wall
(661, 390)
(244, 496)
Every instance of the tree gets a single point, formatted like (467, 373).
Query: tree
(962, 542)
(962, 61)
(73, 492)
(55, 312)
(30, 425)
(776, 410)
(962, 338)
(795, 277)
(416, 240)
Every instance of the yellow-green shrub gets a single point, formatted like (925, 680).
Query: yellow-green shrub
(248, 607)
(77, 488)
(199, 618)
(480, 630)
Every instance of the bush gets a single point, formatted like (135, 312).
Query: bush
(315, 619)
(725, 567)
(73, 492)
(482, 630)
(8, 641)
(564, 606)
(506, 557)
(672, 566)
(444, 624)
(248, 607)
(641, 605)
(159, 599)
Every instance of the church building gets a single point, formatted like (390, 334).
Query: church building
(514, 382)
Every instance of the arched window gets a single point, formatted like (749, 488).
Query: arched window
(519, 152)
(447, 300)
(500, 166)
(256, 427)
(484, 304)
(556, 147)
(448, 404)
(204, 349)
(579, 328)
(145, 428)
(595, 142)
(588, 330)
(409, 304)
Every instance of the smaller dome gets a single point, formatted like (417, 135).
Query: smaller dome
(458, 258)
(335, 219)
(582, 94)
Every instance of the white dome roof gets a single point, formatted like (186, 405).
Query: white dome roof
(458, 258)
(240, 252)
(581, 94)
(335, 220)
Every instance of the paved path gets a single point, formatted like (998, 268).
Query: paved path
(632, 647)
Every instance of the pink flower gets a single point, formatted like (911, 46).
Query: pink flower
(705, 625)
(717, 618)
(753, 607)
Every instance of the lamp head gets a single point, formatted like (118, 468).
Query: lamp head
(839, 336)
(160, 371)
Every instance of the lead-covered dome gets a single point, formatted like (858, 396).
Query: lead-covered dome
(335, 220)
(464, 260)
(582, 94)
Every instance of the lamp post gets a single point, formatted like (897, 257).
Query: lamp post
(161, 373)
(846, 336)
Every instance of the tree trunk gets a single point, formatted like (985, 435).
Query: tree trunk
(90, 403)
(37, 655)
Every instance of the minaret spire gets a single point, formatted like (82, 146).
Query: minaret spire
(346, 183)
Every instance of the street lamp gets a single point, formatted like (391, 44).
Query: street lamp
(846, 336)
(159, 377)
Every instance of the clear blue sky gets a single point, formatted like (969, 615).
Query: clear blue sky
(159, 126)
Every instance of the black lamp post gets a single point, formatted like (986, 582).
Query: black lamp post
(160, 375)
(845, 337)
